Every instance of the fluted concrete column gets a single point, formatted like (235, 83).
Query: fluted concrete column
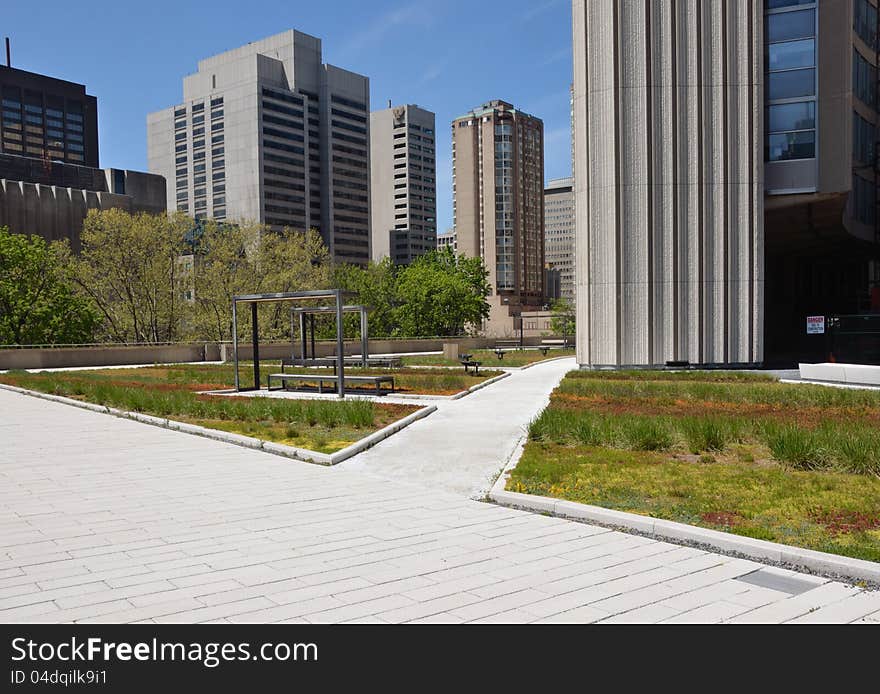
(668, 173)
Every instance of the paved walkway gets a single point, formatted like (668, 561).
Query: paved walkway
(463, 445)
(108, 520)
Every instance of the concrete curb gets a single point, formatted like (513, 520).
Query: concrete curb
(457, 396)
(830, 384)
(377, 436)
(544, 361)
(479, 386)
(252, 442)
(660, 529)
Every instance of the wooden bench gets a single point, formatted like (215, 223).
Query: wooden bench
(548, 344)
(320, 379)
(507, 344)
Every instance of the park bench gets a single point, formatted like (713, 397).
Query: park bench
(507, 344)
(468, 362)
(548, 344)
(381, 362)
(321, 379)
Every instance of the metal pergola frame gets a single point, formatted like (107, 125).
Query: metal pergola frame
(310, 311)
(254, 299)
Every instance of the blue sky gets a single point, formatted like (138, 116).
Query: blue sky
(452, 56)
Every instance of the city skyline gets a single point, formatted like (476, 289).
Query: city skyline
(448, 67)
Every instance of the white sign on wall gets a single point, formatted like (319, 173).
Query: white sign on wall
(815, 325)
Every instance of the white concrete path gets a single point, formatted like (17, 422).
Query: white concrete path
(109, 520)
(463, 446)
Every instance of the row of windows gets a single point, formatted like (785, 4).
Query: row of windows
(283, 134)
(281, 96)
(863, 200)
(285, 148)
(278, 108)
(865, 21)
(348, 102)
(299, 211)
(348, 126)
(864, 80)
(864, 139)
(790, 30)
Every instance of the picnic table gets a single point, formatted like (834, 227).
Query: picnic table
(468, 362)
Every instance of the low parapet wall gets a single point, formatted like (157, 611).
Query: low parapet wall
(105, 355)
(119, 355)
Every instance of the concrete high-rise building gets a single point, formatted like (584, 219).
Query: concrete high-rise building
(498, 204)
(668, 171)
(403, 183)
(269, 133)
(47, 118)
(447, 240)
(559, 234)
(721, 196)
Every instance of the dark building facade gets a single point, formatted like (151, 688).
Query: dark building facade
(822, 122)
(47, 118)
(49, 175)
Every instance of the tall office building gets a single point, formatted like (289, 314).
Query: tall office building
(559, 234)
(703, 168)
(47, 118)
(403, 183)
(498, 204)
(269, 133)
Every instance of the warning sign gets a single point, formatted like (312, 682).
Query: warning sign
(815, 325)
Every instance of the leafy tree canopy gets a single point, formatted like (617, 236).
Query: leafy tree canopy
(563, 320)
(38, 302)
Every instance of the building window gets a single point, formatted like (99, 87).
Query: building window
(790, 37)
(865, 22)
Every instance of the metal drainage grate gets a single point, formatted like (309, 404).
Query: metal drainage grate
(775, 581)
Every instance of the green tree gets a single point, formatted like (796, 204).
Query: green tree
(374, 286)
(441, 294)
(38, 302)
(231, 259)
(129, 267)
(562, 321)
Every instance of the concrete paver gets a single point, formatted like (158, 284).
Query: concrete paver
(107, 520)
(463, 445)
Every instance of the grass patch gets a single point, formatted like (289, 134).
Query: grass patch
(729, 450)
(488, 358)
(825, 511)
(172, 392)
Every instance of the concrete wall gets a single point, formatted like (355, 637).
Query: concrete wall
(668, 181)
(57, 213)
(108, 355)
(105, 356)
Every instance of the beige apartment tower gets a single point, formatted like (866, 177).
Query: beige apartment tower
(269, 133)
(498, 205)
(668, 107)
(403, 183)
(559, 234)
